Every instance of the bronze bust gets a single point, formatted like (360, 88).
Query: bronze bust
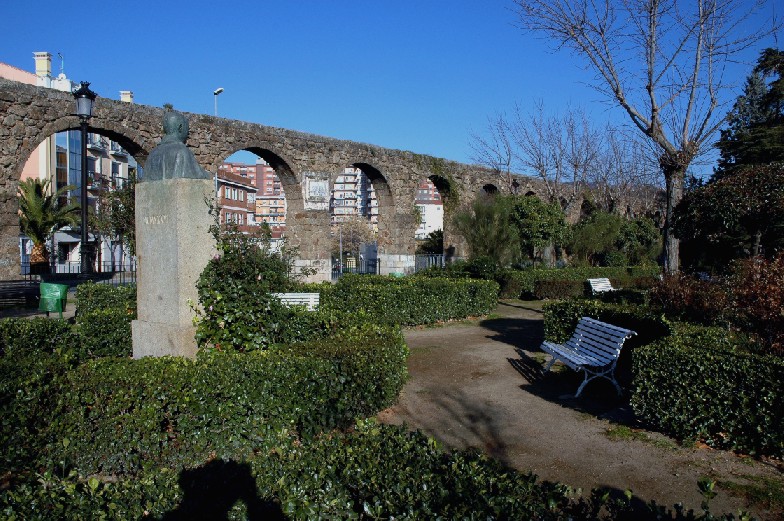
(172, 159)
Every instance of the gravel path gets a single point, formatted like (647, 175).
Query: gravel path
(479, 384)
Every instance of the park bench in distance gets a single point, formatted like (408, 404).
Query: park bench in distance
(594, 349)
(309, 300)
(600, 285)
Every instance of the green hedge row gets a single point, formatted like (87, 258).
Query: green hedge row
(410, 300)
(96, 297)
(570, 282)
(103, 317)
(692, 388)
(689, 380)
(118, 415)
(374, 472)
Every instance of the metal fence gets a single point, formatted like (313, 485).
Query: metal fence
(424, 262)
(363, 267)
(70, 273)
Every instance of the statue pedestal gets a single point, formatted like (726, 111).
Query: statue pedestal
(173, 246)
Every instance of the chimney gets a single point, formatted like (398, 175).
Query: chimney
(43, 64)
(126, 96)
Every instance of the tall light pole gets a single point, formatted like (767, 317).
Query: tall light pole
(84, 109)
(215, 94)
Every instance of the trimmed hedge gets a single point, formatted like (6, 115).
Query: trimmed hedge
(375, 472)
(36, 335)
(687, 380)
(411, 300)
(117, 415)
(692, 388)
(103, 315)
(97, 297)
(543, 283)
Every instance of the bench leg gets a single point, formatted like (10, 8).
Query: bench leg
(549, 364)
(608, 375)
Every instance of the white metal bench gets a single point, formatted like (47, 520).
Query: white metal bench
(309, 300)
(600, 285)
(594, 349)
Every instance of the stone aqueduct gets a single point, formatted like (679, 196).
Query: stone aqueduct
(29, 114)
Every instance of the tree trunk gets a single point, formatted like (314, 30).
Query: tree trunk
(674, 177)
(39, 254)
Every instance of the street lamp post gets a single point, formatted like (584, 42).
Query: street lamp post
(84, 109)
(215, 94)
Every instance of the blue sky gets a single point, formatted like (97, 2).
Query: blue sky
(413, 75)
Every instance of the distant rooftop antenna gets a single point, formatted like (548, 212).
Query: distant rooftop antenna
(62, 63)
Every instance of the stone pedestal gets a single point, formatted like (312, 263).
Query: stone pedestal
(320, 269)
(173, 246)
(397, 264)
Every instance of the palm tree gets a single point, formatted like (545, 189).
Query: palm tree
(41, 214)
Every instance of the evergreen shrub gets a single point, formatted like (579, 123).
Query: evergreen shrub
(372, 472)
(98, 297)
(103, 316)
(528, 283)
(411, 300)
(35, 336)
(696, 388)
(122, 416)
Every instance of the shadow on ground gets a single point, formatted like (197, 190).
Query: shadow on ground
(599, 398)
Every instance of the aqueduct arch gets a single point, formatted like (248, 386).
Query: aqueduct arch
(29, 114)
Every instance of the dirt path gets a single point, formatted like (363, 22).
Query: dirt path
(479, 384)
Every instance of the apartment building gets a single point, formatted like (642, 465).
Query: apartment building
(236, 191)
(58, 159)
(353, 195)
(431, 209)
(270, 200)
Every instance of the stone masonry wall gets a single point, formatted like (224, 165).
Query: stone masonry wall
(29, 114)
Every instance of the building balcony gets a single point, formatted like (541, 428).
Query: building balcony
(117, 150)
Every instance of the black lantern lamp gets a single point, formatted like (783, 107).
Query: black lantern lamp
(85, 98)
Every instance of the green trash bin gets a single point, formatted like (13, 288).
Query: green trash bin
(53, 298)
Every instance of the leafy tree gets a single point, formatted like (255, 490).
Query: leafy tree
(640, 241)
(607, 239)
(595, 238)
(41, 214)
(432, 244)
(123, 216)
(740, 215)
(540, 227)
(659, 61)
(755, 132)
(486, 228)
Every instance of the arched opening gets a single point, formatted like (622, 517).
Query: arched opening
(490, 189)
(112, 172)
(530, 193)
(429, 203)
(359, 200)
(251, 191)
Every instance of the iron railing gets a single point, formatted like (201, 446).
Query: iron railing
(67, 272)
(363, 267)
(423, 262)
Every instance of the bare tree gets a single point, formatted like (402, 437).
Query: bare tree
(559, 150)
(495, 148)
(662, 62)
(625, 176)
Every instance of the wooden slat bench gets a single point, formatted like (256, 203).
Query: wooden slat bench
(594, 349)
(309, 300)
(600, 285)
